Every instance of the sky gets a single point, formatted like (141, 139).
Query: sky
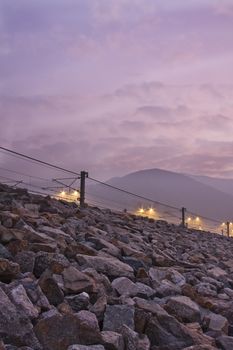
(115, 86)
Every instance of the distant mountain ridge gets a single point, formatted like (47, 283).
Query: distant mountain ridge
(174, 189)
(224, 185)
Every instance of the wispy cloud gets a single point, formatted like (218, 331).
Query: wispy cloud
(132, 83)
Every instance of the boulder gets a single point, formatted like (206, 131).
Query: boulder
(15, 327)
(76, 281)
(112, 267)
(26, 261)
(217, 272)
(216, 323)
(124, 286)
(57, 331)
(184, 309)
(8, 270)
(164, 330)
(224, 342)
(167, 288)
(50, 288)
(35, 294)
(112, 340)
(133, 341)
(78, 302)
(4, 253)
(99, 307)
(116, 316)
(19, 297)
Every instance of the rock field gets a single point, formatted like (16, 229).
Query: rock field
(79, 279)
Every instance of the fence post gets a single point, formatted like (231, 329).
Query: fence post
(83, 176)
(183, 210)
(228, 229)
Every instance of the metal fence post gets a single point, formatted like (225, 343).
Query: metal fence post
(228, 229)
(183, 210)
(83, 176)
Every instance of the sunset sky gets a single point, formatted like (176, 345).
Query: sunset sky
(114, 86)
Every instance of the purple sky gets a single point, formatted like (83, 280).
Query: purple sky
(114, 86)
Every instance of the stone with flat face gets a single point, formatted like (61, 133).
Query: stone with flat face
(184, 309)
(76, 281)
(117, 315)
(15, 326)
(55, 331)
(110, 266)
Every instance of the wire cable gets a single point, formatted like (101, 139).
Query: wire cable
(132, 194)
(38, 161)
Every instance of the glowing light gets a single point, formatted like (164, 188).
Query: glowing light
(63, 193)
(75, 193)
(223, 224)
(189, 219)
(197, 218)
(151, 211)
(141, 210)
(231, 223)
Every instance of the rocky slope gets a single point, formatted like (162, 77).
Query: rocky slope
(79, 279)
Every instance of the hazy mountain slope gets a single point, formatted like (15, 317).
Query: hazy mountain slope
(171, 188)
(224, 185)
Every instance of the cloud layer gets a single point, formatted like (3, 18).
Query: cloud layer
(117, 86)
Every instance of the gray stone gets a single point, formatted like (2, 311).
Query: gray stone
(76, 282)
(19, 297)
(35, 294)
(206, 289)
(59, 332)
(164, 330)
(133, 341)
(26, 261)
(124, 286)
(217, 272)
(78, 302)
(117, 315)
(51, 289)
(14, 326)
(216, 323)
(225, 342)
(109, 266)
(184, 309)
(4, 253)
(167, 288)
(112, 340)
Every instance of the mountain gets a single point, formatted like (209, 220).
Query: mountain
(224, 185)
(168, 187)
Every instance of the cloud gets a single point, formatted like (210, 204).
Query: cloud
(118, 84)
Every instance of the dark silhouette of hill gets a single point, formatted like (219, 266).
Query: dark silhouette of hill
(171, 188)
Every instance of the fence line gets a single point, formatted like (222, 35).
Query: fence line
(124, 200)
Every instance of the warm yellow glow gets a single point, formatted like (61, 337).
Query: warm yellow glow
(231, 223)
(200, 228)
(75, 193)
(189, 219)
(223, 224)
(62, 193)
(197, 218)
(151, 211)
(141, 210)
